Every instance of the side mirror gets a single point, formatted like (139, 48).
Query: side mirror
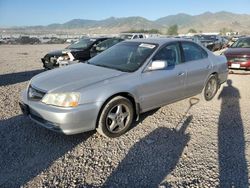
(157, 65)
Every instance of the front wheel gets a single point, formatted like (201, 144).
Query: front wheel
(116, 117)
(210, 88)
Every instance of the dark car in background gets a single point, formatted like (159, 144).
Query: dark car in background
(77, 51)
(104, 46)
(211, 42)
(238, 55)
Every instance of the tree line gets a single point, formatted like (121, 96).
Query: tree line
(172, 30)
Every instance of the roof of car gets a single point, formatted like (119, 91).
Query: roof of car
(246, 37)
(158, 41)
(96, 38)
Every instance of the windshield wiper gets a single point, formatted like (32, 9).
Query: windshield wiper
(105, 66)
(100, 65)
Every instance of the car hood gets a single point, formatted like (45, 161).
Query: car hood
(237, 51)
(72, 78)
(58, 53)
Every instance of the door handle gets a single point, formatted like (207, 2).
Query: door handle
(181, 73)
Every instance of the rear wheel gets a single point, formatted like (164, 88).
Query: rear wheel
(210, 88)
(116, 117)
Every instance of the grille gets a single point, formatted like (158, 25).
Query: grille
(35, 94)
(53, 59)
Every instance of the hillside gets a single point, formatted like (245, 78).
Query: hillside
(206, 22)
(209, 22)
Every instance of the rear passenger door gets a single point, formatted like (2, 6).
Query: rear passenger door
(198, 67)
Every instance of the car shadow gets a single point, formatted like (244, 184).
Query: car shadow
(151, 159)
(233, 170)
(18, 77)
(28, 149)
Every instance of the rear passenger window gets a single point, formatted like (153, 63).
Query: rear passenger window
(170, 53)
(193, 51)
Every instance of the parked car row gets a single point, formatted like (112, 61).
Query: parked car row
(32, 40)
(86, 48)
(83, 50)
(109, 91)
(212, 42)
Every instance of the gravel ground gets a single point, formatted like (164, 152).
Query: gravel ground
(207, 145)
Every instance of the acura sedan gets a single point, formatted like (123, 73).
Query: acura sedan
(112, 89)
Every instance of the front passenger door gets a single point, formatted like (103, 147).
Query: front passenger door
(160, 87)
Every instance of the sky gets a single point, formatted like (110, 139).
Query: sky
(44, 12)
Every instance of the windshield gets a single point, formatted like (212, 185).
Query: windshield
(126, 36)
(206, 37)
(108, 43)
(241, 43)
(125, 56)
(82, 43)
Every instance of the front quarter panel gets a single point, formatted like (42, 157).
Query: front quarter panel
(102, 91)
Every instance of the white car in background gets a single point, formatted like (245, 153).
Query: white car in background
(129, 36)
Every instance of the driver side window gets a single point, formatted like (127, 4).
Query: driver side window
(169, 53)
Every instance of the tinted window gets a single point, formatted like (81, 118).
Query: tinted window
(126, 36)
(82, 43)
(170, 53)
(107, 44)
(193, 51)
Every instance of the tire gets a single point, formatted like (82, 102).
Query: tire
(116, 117)
(211, 88)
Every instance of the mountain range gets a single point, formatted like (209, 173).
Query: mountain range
(206, 22)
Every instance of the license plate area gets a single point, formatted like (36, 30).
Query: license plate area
(233, 65)
(25, 108)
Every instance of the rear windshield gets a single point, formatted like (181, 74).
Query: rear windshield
(241, 43)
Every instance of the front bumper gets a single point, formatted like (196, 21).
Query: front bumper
(48, 65)
(66, 120)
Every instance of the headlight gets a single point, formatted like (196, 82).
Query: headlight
(62, 99)
(64, 57)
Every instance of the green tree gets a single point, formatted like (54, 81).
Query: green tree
(151, 31)
(224, 30)
(192, 30)
(173, 30)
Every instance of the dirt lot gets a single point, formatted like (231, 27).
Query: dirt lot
(209, 146)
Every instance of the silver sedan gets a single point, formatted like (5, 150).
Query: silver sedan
(110, 90)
